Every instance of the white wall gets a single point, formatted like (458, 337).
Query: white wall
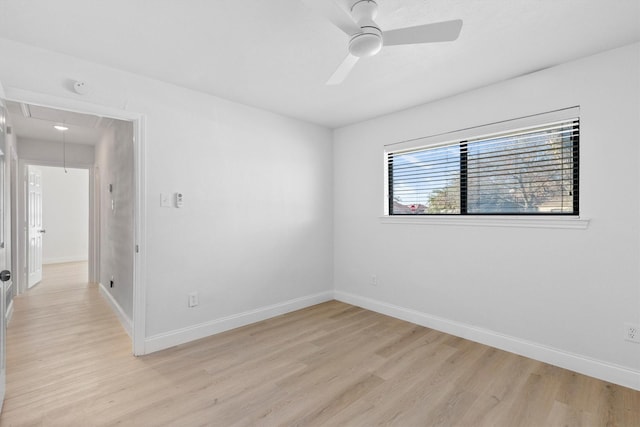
(254, 237)
(114, 166)
(534, 291)
(51, 152)
(65, 214)
(256, 227)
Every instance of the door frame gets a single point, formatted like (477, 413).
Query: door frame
(22, 210)
(139, 165)
(3, 318)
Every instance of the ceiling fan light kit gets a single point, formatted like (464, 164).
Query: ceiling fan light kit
(367, 39)
(367, 43)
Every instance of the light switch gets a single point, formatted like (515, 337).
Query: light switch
(165, 200)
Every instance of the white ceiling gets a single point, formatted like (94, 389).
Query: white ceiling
(35, 122)
(277, 54)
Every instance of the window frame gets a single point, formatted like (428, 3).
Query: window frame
(458, 137)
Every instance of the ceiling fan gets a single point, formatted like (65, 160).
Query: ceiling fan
(366, 38)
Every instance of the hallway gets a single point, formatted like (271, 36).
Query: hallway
(57, 340)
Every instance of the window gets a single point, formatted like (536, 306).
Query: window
(532, 171)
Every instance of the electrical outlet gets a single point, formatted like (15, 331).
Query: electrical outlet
(193, 299)
(374, 280)
(632, 332)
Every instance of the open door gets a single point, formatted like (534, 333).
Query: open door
(4, 274)
(35, 230)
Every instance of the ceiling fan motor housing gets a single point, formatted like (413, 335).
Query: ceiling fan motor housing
(369, 41)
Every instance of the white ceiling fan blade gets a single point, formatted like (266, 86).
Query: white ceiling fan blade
(334, 13)
(343, 70)
(429, 33)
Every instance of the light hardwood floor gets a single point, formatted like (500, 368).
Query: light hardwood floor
(70, 364)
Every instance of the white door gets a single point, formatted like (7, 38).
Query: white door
(3, 260)
(35, 230)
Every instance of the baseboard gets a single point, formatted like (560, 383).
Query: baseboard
(202, 330)
(122, 316)
(574, 362)
(65, 259)
(9, 313)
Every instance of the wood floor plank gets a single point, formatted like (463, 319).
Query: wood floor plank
(69, 363)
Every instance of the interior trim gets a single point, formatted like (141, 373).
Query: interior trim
(575, 362)
(490, 221)
(122, 316)
(190, 333)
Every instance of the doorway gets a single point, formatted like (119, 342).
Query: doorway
(58, 217)
(113, 169)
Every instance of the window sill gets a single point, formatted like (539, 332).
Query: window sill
(490, 221)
